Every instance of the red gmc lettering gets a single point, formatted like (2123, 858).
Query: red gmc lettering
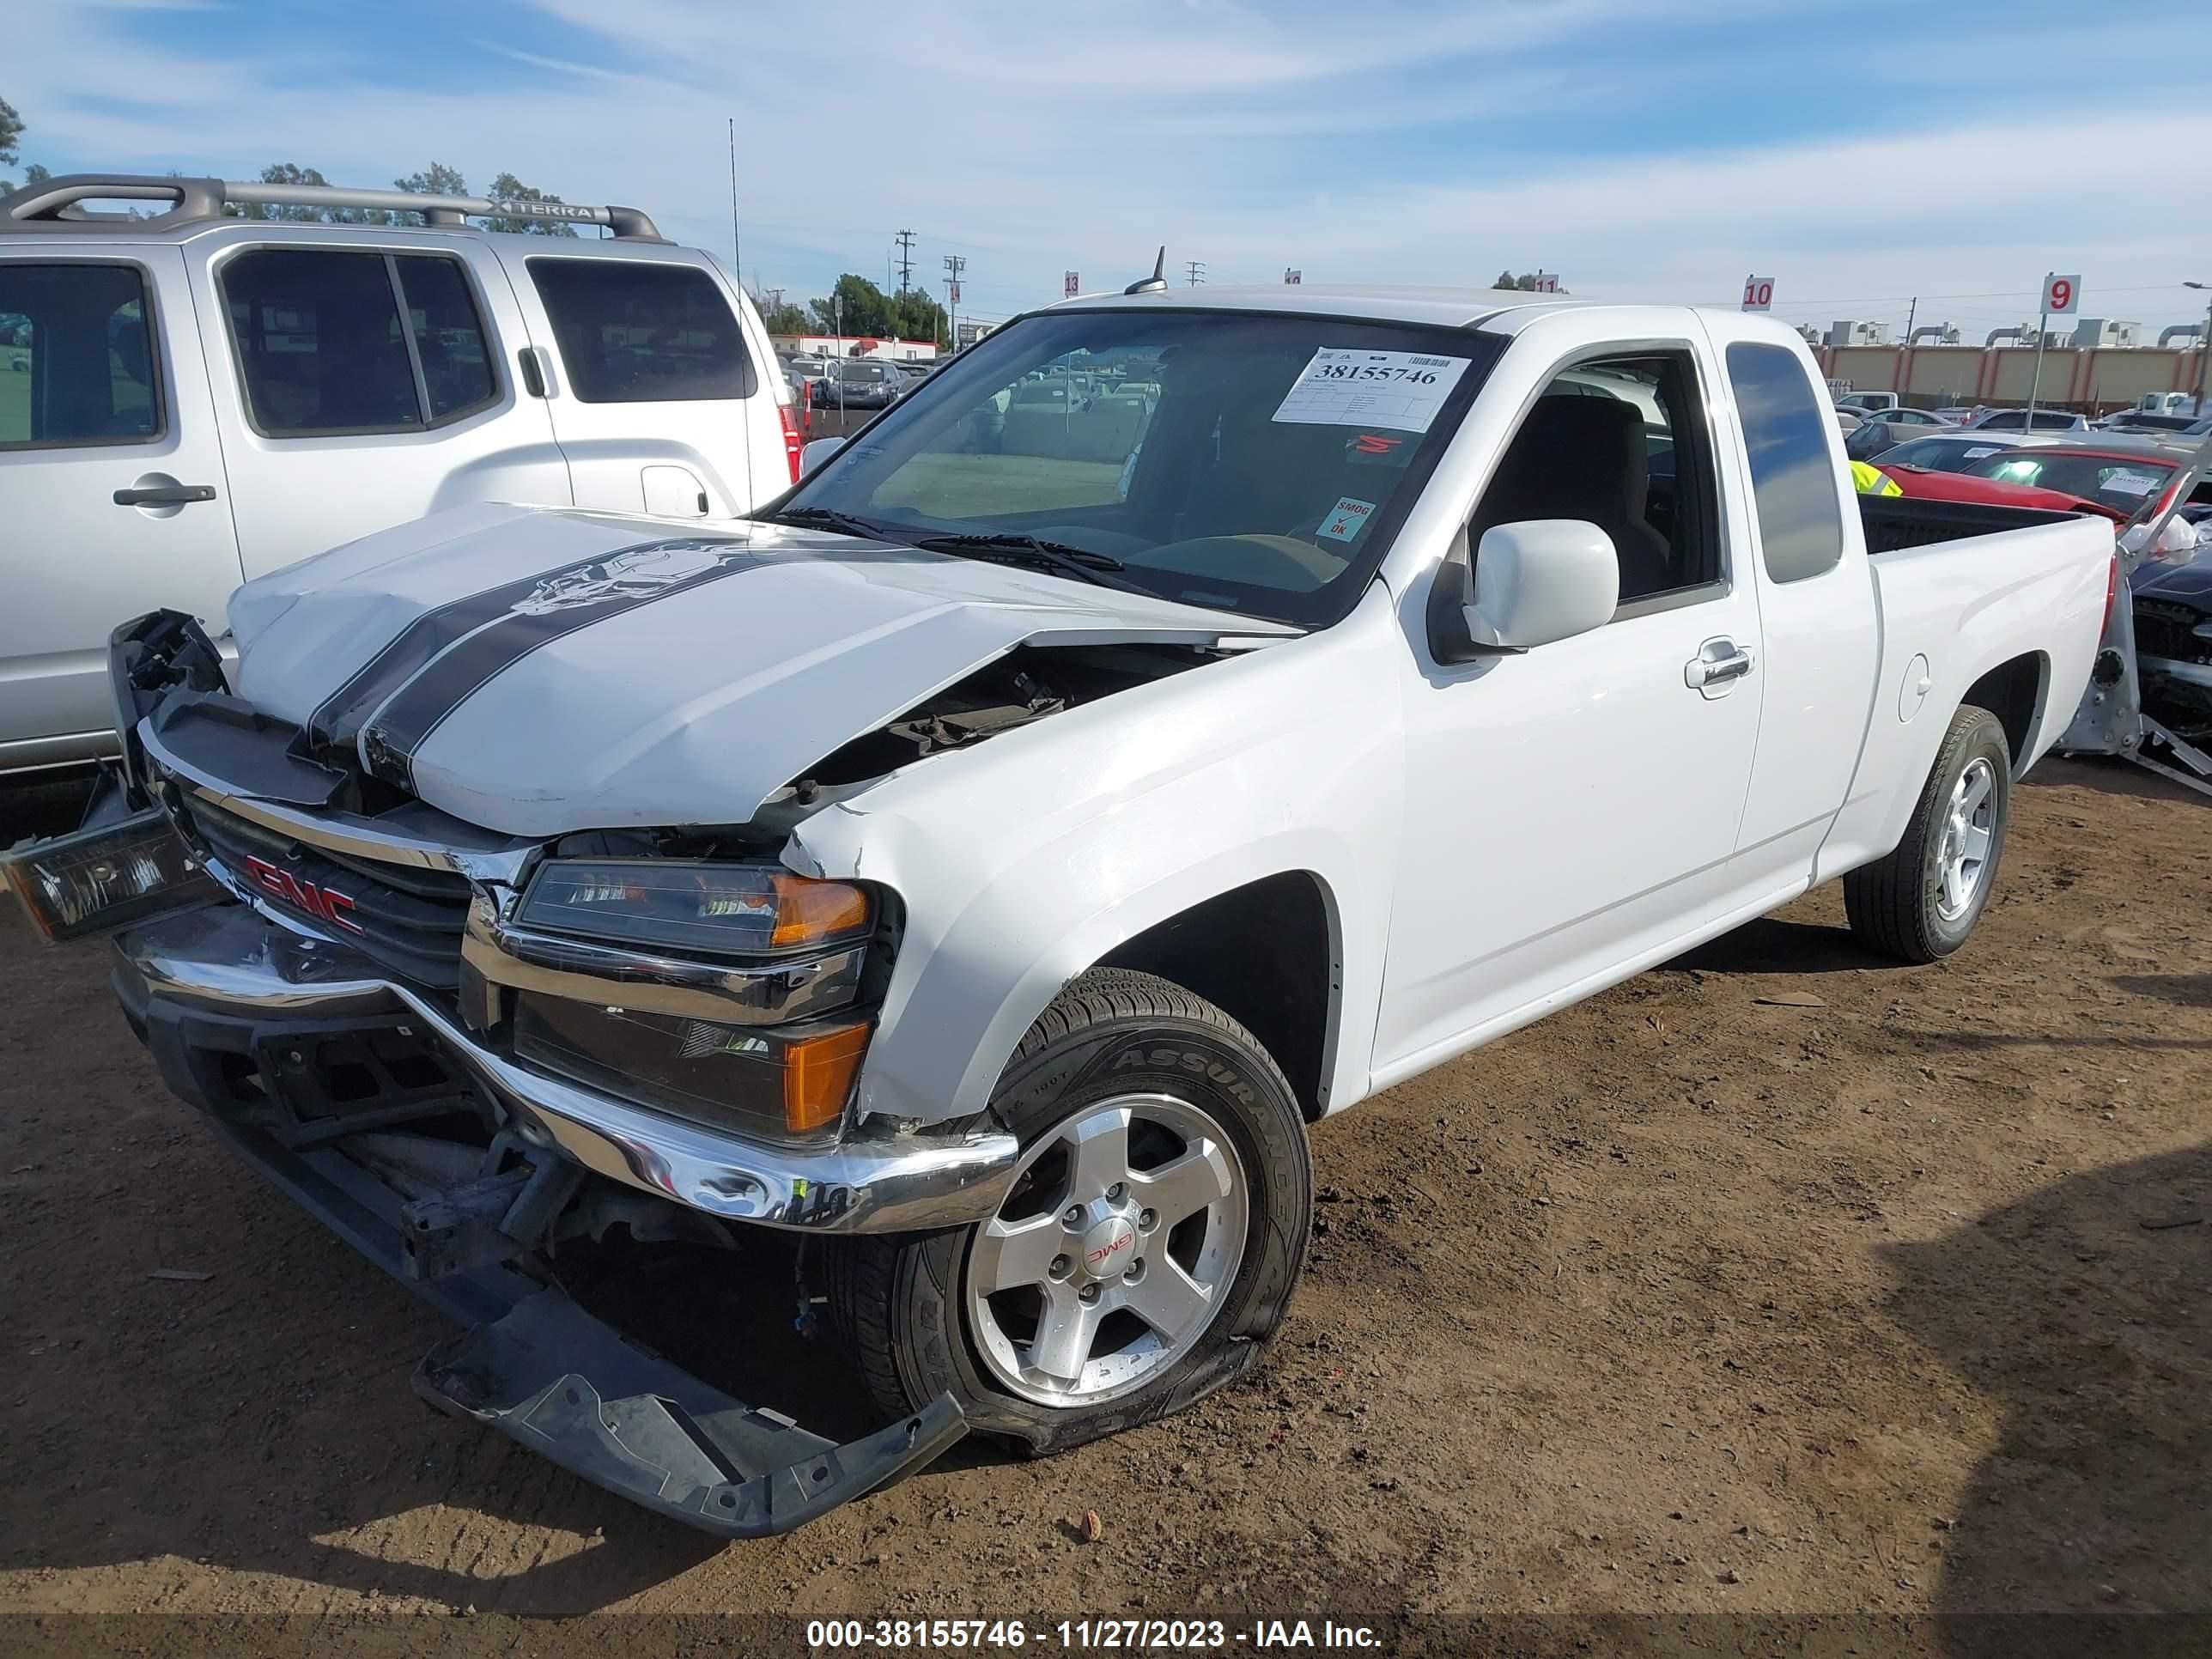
(322, 902)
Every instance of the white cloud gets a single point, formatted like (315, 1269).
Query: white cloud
(1036, 139)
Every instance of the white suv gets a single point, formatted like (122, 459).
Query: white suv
(189, 400)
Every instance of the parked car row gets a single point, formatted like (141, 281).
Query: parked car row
(2126, 471)
(854, 382)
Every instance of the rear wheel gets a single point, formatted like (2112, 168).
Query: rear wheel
(1922, 901)
(1144, 1252)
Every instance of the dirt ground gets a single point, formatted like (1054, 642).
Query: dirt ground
(1778, 1281)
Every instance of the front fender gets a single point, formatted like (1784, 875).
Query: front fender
(1022, 862)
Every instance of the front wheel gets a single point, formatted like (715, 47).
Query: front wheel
(1146, 1251)
(1922, 901)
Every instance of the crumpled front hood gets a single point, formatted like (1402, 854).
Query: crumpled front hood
(537, 671)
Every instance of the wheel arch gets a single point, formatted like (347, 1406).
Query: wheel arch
(1268, 954)
(2015, 691)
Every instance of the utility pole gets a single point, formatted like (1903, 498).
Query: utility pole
(906, 260)
(2204, 355)
(954, 265)
(1908, 317)
(1195, 269)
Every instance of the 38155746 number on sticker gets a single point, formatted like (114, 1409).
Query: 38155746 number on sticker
(1346, 386)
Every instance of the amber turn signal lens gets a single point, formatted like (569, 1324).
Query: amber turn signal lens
(807, 910)
(818, 1076)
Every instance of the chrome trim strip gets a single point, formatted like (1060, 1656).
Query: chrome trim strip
(495, 858)
(227, 960)
(522, 959)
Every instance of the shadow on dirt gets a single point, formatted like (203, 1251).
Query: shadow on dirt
(1772, 945)
(2112, 777)
(2081, 1312)
(2187, 990)
(351, 1461)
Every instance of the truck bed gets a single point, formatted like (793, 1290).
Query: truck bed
(1895, 522)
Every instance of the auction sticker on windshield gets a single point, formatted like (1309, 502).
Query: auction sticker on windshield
(1346, 386)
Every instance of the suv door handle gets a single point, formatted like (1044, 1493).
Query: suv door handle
(1718, 663)
(165, 496)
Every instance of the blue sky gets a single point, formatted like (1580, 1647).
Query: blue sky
(1861, 153)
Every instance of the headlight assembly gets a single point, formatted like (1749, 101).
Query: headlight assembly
(722, 910)
(710, 991)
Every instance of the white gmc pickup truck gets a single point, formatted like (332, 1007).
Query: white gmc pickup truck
(989, 861)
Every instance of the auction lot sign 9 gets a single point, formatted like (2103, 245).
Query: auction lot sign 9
(2061, 295)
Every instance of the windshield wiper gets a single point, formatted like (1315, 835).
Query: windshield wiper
(828, 518)
(1062, 558)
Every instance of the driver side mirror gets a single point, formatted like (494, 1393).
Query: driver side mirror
(816, 453)
(1529, 583)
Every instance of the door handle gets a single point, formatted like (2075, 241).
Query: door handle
(1717, 663)
(534, 375)
(165, 496)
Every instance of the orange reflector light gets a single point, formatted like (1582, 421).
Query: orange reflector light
(807, 910)
(818, 1076)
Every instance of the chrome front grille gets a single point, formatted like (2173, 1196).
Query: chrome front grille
(404, 917)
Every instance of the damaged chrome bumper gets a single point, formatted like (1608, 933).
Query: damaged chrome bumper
(228, 960)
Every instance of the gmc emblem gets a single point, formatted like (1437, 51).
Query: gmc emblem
(324, 903)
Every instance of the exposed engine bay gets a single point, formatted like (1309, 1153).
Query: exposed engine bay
(1028, 685)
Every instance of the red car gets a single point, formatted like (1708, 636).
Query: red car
(1973, 487)
(2066, 477)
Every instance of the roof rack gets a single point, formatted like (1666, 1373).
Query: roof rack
(57, 204)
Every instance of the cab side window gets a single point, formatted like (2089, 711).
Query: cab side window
(1793, 476)
(1620, 443)
(76, 362)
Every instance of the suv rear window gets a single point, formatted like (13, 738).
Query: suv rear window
(322, 349)
(76, 366)
(636, 333)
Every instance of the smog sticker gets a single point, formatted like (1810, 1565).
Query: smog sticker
(2129, 484)
(1343, 522)
(1346, 386)
(1977, 454)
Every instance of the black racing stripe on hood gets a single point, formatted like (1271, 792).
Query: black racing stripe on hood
(513, 621)
(337, 719)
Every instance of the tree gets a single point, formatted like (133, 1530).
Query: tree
(1525, 283)
(915, 316)
(508, 188)
(291, 172)
(855, 306)
(785, 318)
(11, 135)
(436, 180)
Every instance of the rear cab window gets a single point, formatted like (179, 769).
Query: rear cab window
(76, 356)
(631, 332)
(336, 340)
(1793, 474)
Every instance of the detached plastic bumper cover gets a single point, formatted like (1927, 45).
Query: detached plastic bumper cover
(554, 1378)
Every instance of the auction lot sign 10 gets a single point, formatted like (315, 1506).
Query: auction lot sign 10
(1759, 294)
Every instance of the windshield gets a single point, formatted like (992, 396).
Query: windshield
(1941, 454)
(1246, 462)
(2113, 482)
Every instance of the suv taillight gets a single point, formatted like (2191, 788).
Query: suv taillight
(790, 437)
(2112, 592)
